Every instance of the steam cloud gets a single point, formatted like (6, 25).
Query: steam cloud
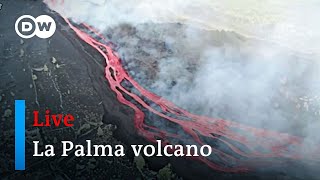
(256, 62)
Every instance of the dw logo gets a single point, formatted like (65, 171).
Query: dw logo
(27, 26)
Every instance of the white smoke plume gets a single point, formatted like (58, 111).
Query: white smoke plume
(291, 23)
(256, 62)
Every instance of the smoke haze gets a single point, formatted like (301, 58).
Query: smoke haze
(249, 61)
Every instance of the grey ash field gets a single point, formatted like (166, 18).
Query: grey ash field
(65, 75)
(72, 83)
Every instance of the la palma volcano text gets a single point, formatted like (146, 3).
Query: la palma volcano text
(79, 150)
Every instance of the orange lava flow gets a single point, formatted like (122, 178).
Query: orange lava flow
(237, 147)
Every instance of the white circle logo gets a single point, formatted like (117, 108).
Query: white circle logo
(27, 26)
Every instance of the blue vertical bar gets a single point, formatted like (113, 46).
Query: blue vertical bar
(20, 134)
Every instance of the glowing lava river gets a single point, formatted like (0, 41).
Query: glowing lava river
(240, 148)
